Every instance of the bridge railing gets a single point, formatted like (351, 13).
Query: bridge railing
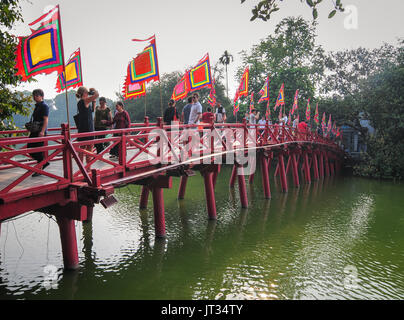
(139, 147)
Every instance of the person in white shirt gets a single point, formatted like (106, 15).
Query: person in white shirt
(196, 110)
(262, 122)
(254, 116)
(295, 122)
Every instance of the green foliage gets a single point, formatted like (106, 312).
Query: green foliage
(11, 102)
(265, 8)
(383, 93)
(290, 56)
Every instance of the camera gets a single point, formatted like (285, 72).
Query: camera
(91, 92)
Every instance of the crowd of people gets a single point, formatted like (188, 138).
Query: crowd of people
(192, 114)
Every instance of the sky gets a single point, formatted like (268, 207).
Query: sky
(188, 29)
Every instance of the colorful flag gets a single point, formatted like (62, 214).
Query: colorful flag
(236, 107)
(72, 77)
(329, 125)
(42, 51)
(295, 101)
(323, 124)
(281, 98)
(144, 67)
(334, 128)
(308, 110)
(134, 90)
(200, 75)
(252, 101)
(243, 87)
(264, 92)
(316, 116)
(212, 95)
(181, 90)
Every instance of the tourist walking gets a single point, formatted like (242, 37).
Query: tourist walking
(186, 111)
(85, 117)
(41, 116)
(196, 110)
(102, 112)
(121, 121)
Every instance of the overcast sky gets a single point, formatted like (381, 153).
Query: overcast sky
(187, 29)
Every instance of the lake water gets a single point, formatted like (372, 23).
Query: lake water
(341, 238)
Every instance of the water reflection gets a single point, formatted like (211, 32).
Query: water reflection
(296, 245)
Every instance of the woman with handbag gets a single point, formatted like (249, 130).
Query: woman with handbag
(38, 126)
(85, 117)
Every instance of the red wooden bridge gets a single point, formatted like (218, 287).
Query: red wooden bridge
(150, 154)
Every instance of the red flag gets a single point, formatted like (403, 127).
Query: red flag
(42, 51)
(308, 110)
(264, 92)
(295, 101)
(281, 98)
(181, 90)
(316, 119)
(243, 87)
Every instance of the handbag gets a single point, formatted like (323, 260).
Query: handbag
(34, 126)
(76, 120)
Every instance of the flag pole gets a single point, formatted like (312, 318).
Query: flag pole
(64, 68)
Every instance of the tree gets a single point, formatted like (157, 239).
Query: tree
(11, 102)
(225, 59)
(264, 8)
(289, 56)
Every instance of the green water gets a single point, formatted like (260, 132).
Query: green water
(342, 238)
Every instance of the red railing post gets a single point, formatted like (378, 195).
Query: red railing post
(146, 123)
(282, 173)
(241, 186)
(67, 155)
(210, 195)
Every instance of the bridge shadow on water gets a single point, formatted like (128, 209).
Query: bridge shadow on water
(282, 248)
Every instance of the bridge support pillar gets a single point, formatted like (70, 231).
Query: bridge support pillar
(306, 167)
(215, 174)
(327, 165)
(242, 187)
(210, 195)
(321, 173)
(282, 173)
(89, 217)
(332, 171)
(251, 178)
(265, 177)
(144, 197)
(69, 242)
(295, 172)
(182, 188)
(159, 217)
(315, 166)
(233, 176)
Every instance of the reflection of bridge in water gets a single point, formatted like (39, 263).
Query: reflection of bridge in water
(151, 157)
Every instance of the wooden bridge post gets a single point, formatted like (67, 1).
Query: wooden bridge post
(295, 172)
(182, 188)
(210, 194)
(159, 217)
(157, 185)
(144, 197)
(282, 173)
(265, 177)
(233, 176)
(242, 187)
(69, 242)
(67, 155)
(327, 164)
(321, 165)
(315, 165)
(306, 166)
(146, 123)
